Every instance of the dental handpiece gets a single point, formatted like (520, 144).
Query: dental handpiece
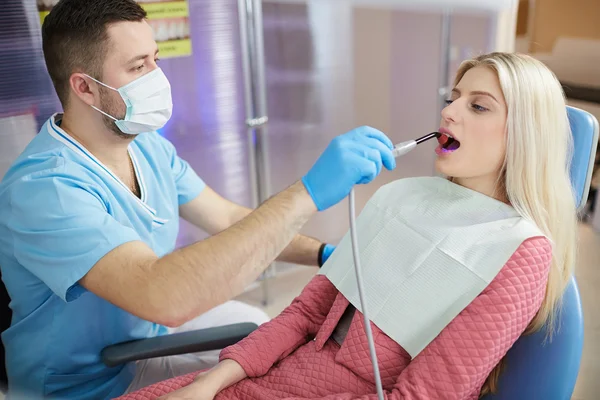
(405, 147)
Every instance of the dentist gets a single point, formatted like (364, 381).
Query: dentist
(89, 216)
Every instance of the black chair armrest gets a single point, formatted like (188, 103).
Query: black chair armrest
(178, 343)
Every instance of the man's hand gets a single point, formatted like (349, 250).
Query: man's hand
(350, 159)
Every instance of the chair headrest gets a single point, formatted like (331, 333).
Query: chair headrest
(584, 128)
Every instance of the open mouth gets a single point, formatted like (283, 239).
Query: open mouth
(448, 143)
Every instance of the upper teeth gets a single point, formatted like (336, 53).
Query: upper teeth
(449, 135)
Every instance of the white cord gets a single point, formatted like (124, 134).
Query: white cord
(361, 290)
(399, 150)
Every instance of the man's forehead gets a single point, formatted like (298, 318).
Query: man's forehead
(130, 39)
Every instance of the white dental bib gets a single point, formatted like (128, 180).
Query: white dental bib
(428, 247)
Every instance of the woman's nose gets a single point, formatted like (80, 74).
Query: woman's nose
(449, 113)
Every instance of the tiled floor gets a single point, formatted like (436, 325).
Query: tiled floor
(288, 285)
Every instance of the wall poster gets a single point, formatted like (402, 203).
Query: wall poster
(169, 20)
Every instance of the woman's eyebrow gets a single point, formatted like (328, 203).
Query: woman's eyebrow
(476, 92)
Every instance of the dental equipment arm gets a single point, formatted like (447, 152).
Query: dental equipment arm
(196, 341)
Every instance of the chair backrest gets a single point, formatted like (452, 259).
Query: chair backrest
(541, 369)
(584, 127)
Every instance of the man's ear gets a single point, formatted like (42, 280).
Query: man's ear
(84, 88)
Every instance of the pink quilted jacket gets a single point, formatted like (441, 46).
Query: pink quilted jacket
(293, 357)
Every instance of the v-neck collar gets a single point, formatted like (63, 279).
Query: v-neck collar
(62, 136)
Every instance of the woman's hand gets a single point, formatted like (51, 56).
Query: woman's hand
(197, 390)
(224, 374)
(208, 384)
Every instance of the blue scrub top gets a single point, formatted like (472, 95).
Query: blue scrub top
(62, 210)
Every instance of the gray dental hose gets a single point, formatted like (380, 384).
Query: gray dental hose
(399, 150)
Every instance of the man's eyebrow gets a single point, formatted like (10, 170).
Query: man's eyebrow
(140, 57)
(137, 58)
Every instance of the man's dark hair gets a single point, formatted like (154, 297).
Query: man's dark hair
(74, 37)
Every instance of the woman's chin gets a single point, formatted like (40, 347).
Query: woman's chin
(442, 167)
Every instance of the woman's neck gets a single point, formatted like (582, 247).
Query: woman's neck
(488, 185)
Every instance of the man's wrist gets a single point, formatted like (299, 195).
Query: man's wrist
(305, 200)
(324, 253)
(320, 254)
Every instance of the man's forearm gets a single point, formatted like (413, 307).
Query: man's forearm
(302, 250)
(219, 268)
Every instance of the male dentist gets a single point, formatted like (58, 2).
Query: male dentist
(89, 216)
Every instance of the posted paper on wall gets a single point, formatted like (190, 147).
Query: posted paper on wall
(169, 20)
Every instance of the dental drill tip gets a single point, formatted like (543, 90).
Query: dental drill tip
(427, 137)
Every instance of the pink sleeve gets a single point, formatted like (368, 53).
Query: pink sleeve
(458, 361)
(279, 337)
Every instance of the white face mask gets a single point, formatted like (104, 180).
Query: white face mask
(148, 101)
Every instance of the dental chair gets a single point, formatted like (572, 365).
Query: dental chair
(536, 368)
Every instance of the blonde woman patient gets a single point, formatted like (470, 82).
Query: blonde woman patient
(508, 113)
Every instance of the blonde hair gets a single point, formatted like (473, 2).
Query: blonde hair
(535, 174)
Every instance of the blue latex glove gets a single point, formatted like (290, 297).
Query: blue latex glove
(353, 158)
(327, 250)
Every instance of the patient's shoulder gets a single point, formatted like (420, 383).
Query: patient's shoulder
(521, 282)
(529, 263)
(537, 249)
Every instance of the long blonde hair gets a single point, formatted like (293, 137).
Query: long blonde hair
(535, 174)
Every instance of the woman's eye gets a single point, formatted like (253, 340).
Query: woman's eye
(139, 67)
(448, 102)
(477, 107)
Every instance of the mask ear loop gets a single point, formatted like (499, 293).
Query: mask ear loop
(102, 112)
(103, 84)
(110, 87)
